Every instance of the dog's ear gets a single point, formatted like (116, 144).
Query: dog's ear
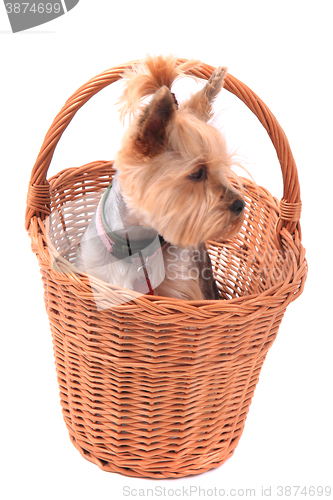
(200, 103)
(150, 136)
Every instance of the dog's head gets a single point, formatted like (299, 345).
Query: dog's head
(174, 169)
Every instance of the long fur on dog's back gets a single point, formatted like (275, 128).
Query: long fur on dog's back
(148, 76)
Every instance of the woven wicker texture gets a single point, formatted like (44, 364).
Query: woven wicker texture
(157, 387)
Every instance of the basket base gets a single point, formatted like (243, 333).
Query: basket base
(168, 469)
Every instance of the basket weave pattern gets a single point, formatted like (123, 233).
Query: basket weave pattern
(158, 387)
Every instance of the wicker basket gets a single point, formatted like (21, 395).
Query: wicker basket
(152, 386)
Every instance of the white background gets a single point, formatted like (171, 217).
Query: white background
(283, 51)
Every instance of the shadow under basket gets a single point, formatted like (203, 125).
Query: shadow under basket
(151, 386)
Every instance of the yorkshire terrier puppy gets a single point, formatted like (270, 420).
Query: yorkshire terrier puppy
(171, 193)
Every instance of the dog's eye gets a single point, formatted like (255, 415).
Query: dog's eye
(200, 174)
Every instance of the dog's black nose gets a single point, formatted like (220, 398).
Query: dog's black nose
(237, 206)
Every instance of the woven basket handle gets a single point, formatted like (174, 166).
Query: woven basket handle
(38, 200)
